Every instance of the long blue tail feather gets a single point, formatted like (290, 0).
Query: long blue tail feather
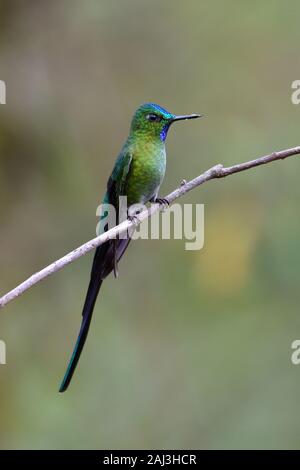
(87, 314)
(103, 264)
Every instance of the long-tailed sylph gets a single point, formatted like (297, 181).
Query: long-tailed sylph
(138, 173)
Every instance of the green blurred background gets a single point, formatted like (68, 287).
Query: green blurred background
(187, 349)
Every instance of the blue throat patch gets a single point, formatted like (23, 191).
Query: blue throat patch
(164, 132)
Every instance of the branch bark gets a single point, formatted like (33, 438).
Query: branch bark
(217, 171)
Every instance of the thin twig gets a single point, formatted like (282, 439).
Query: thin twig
(217, 171)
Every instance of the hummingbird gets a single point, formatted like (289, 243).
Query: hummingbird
(138, 173)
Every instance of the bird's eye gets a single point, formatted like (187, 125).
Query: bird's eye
(153, 117)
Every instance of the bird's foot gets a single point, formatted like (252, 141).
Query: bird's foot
(163, 202)
(134, 219)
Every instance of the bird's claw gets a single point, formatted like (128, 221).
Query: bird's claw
(134, 219)
(163, 202)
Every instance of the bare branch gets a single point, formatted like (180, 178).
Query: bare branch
(217, 171)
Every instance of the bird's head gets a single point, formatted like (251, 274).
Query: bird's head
(154, 121)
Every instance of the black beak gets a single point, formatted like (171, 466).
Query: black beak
(188, 116)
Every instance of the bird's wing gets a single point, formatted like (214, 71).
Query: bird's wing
(103, 263)
(118, 178)
(115, 187)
